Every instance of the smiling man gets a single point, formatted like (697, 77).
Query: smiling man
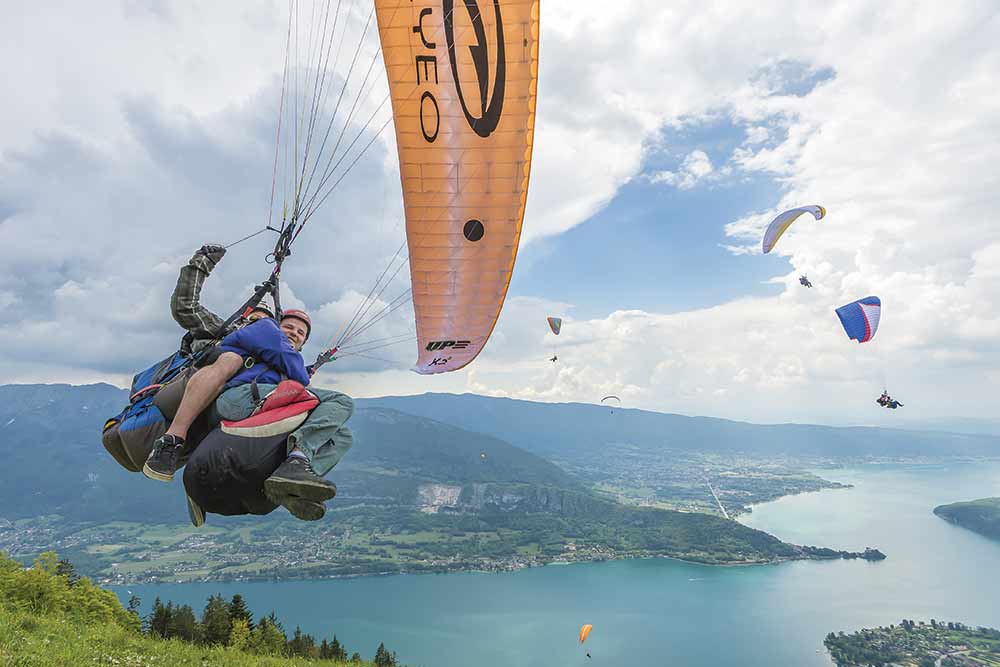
(263, 354)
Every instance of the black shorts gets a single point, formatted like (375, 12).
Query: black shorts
(226, 473)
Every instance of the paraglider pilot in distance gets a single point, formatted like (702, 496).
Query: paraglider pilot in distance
(554, 358)
(804, 281)
(887, 401)
(249, 363)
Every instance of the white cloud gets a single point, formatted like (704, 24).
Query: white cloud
(695, 167)
(757, 134)
(136, 135)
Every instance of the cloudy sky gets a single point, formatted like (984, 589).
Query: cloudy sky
(668, 135)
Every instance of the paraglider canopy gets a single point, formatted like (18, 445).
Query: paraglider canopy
(463, 84)
(585, 631)
(860, 318)
(784, 221)
(555, 324)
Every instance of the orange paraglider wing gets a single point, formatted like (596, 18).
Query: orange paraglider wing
(462, 77)
(584, 631)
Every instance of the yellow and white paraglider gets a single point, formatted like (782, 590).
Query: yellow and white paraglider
(784, 220)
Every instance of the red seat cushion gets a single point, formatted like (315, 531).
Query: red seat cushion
(287, 392)
(283, 411)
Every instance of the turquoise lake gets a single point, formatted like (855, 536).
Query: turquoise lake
(665, 612)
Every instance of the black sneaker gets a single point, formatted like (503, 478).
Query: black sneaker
(162, 461)
(295, 477)
(196, 513)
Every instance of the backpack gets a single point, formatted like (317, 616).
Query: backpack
(153, 400)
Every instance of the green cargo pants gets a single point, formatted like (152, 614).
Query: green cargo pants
(324, 437)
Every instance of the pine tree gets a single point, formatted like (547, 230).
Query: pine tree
(309, 648)
(183, 624)
(324, 651)
(272, 618)
(295, 644)
(268, 638)
(239, 635)
(160, 618)
(238, 610)
(383, 658)
(64, 568)
(215, 623)
(356, 658)
(337, 651)
(302, 645)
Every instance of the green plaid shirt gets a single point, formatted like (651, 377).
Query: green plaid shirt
(188, 312)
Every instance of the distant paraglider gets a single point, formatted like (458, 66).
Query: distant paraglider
(860, 318)
(784, 220)
(584, 633)
(888, 402)
(555, 325)
(804, 281)
(613, 400)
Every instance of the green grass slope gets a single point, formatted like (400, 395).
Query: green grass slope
(43, 640)
(48, 617)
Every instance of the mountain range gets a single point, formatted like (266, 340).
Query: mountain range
(54, 463)
(500, 462)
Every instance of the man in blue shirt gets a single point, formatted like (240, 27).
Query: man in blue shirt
(252, 362)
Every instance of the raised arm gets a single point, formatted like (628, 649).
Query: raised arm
(184, 303)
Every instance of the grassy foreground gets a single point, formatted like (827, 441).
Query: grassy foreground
(31, 640)
(51, 618)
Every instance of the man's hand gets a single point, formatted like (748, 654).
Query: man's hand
(213, 252)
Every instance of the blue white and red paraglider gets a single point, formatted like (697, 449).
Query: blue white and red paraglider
(860, 318)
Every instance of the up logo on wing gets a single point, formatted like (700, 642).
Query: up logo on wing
(484, 119)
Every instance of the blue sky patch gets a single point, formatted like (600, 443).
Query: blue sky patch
(791, 77)
(657, 245)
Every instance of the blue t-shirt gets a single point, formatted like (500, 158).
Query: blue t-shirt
(273, 355)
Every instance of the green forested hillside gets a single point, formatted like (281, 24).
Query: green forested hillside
(414, 495)
(981, 516)
(394, 454)
(917, 644)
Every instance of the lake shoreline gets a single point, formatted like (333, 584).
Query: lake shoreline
(498, 568)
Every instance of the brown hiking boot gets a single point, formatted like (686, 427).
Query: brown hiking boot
(296, 477)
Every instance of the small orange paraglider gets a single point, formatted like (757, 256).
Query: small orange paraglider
(584, 633)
